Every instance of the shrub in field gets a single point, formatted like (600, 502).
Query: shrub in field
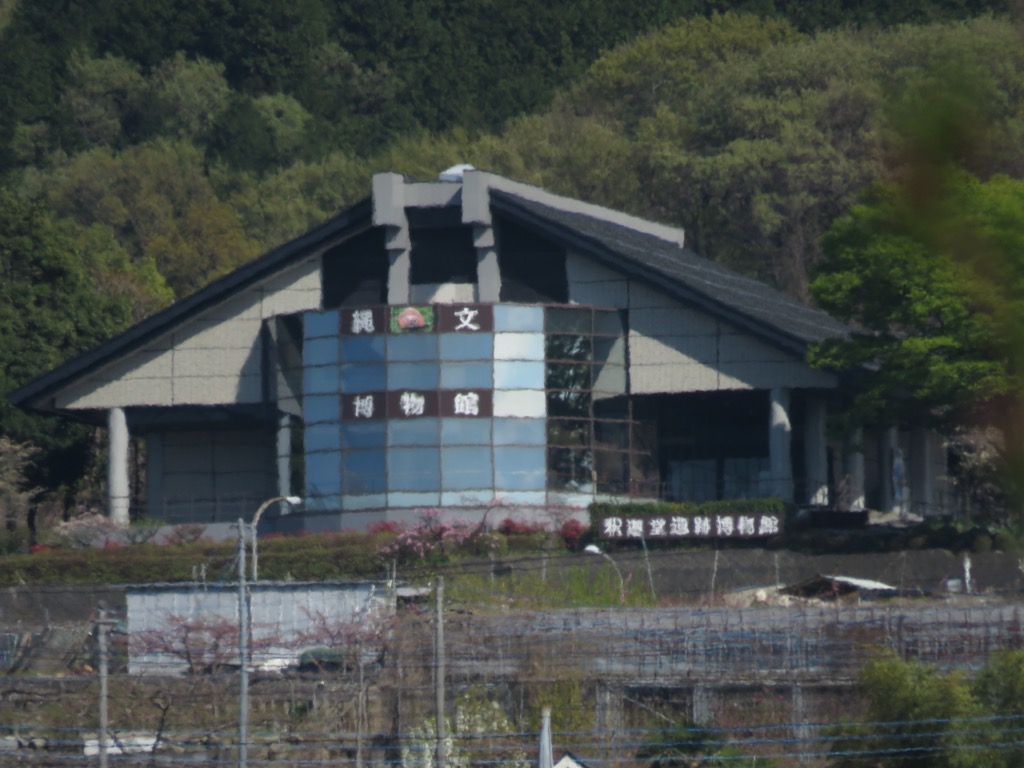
(436, 538)
(87, 530)
(571, 532)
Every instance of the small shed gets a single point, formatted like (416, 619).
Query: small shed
(194, 627)
(827, 587)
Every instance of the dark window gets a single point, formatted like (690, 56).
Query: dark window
(444, 255)
(532, 268)
(356, 272)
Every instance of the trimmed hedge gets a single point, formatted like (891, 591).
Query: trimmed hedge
(769, 505)
(312, 558)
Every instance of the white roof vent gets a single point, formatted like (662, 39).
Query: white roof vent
(455, 172)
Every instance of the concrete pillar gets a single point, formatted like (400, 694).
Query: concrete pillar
(853, 476)
(488, 275)
(922, 473)
(891, 463)
(815, 452)
(804, 732)
(117, 467)
(389, 212)
(779, 439)
(702, 702)
(284, 456)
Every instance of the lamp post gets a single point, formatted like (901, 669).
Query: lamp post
(291, 501)
(593, 549)
(245, 623)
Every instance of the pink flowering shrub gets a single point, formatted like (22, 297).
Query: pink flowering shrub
(384, 526)
(571, 532)
(87, 530)
(435, 538)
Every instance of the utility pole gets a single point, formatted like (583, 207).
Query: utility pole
(243, 652)
(439, 673)
(102, 626)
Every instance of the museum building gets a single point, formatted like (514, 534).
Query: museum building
(468, 343)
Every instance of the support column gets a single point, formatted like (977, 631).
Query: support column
(853, 475)
(890, 472)
(779, 439)
(488, 275)
(815, 452)
(117, 466)
(389, 212)
(284, 456)
(922, 473)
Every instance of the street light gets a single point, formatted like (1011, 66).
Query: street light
(291, 501)
(593, 549)
(245, 623)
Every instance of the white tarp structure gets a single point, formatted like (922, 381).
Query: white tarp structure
(191, 627)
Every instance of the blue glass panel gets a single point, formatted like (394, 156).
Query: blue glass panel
(568, 320)
(363, 434)
(322, 437)
(370, 501)
(519, 469)
(419, 500)
(320, 502)
(413, 347)
(364, 472)
(519, 346)
(466, 375)
(413, 375)
(363, 377)
(414, 469)
(518, 374)
(362, 349)
(475, 498)
(321, 379)
(520, 432)
(466, 468)
(322, 477)
(322, 351)
(610, 349)
(467, 346)
(321, 408)
(413, 431)
(317, 324)
(609, 380)
(509, 317)
(525, 498)
(459, 431)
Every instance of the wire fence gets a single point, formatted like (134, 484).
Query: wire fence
(773, 680)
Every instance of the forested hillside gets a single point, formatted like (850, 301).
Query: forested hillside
(147, 147)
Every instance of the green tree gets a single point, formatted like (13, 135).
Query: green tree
(102, 96)
(930, 348)
(917, 717)
(187, 96)
(49, 312)
(158, 201)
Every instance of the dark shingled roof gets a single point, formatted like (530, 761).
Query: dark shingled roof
(741, 300)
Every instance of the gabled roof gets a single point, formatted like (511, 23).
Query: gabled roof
(349, 222)
(749, 303)
(639, 249)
